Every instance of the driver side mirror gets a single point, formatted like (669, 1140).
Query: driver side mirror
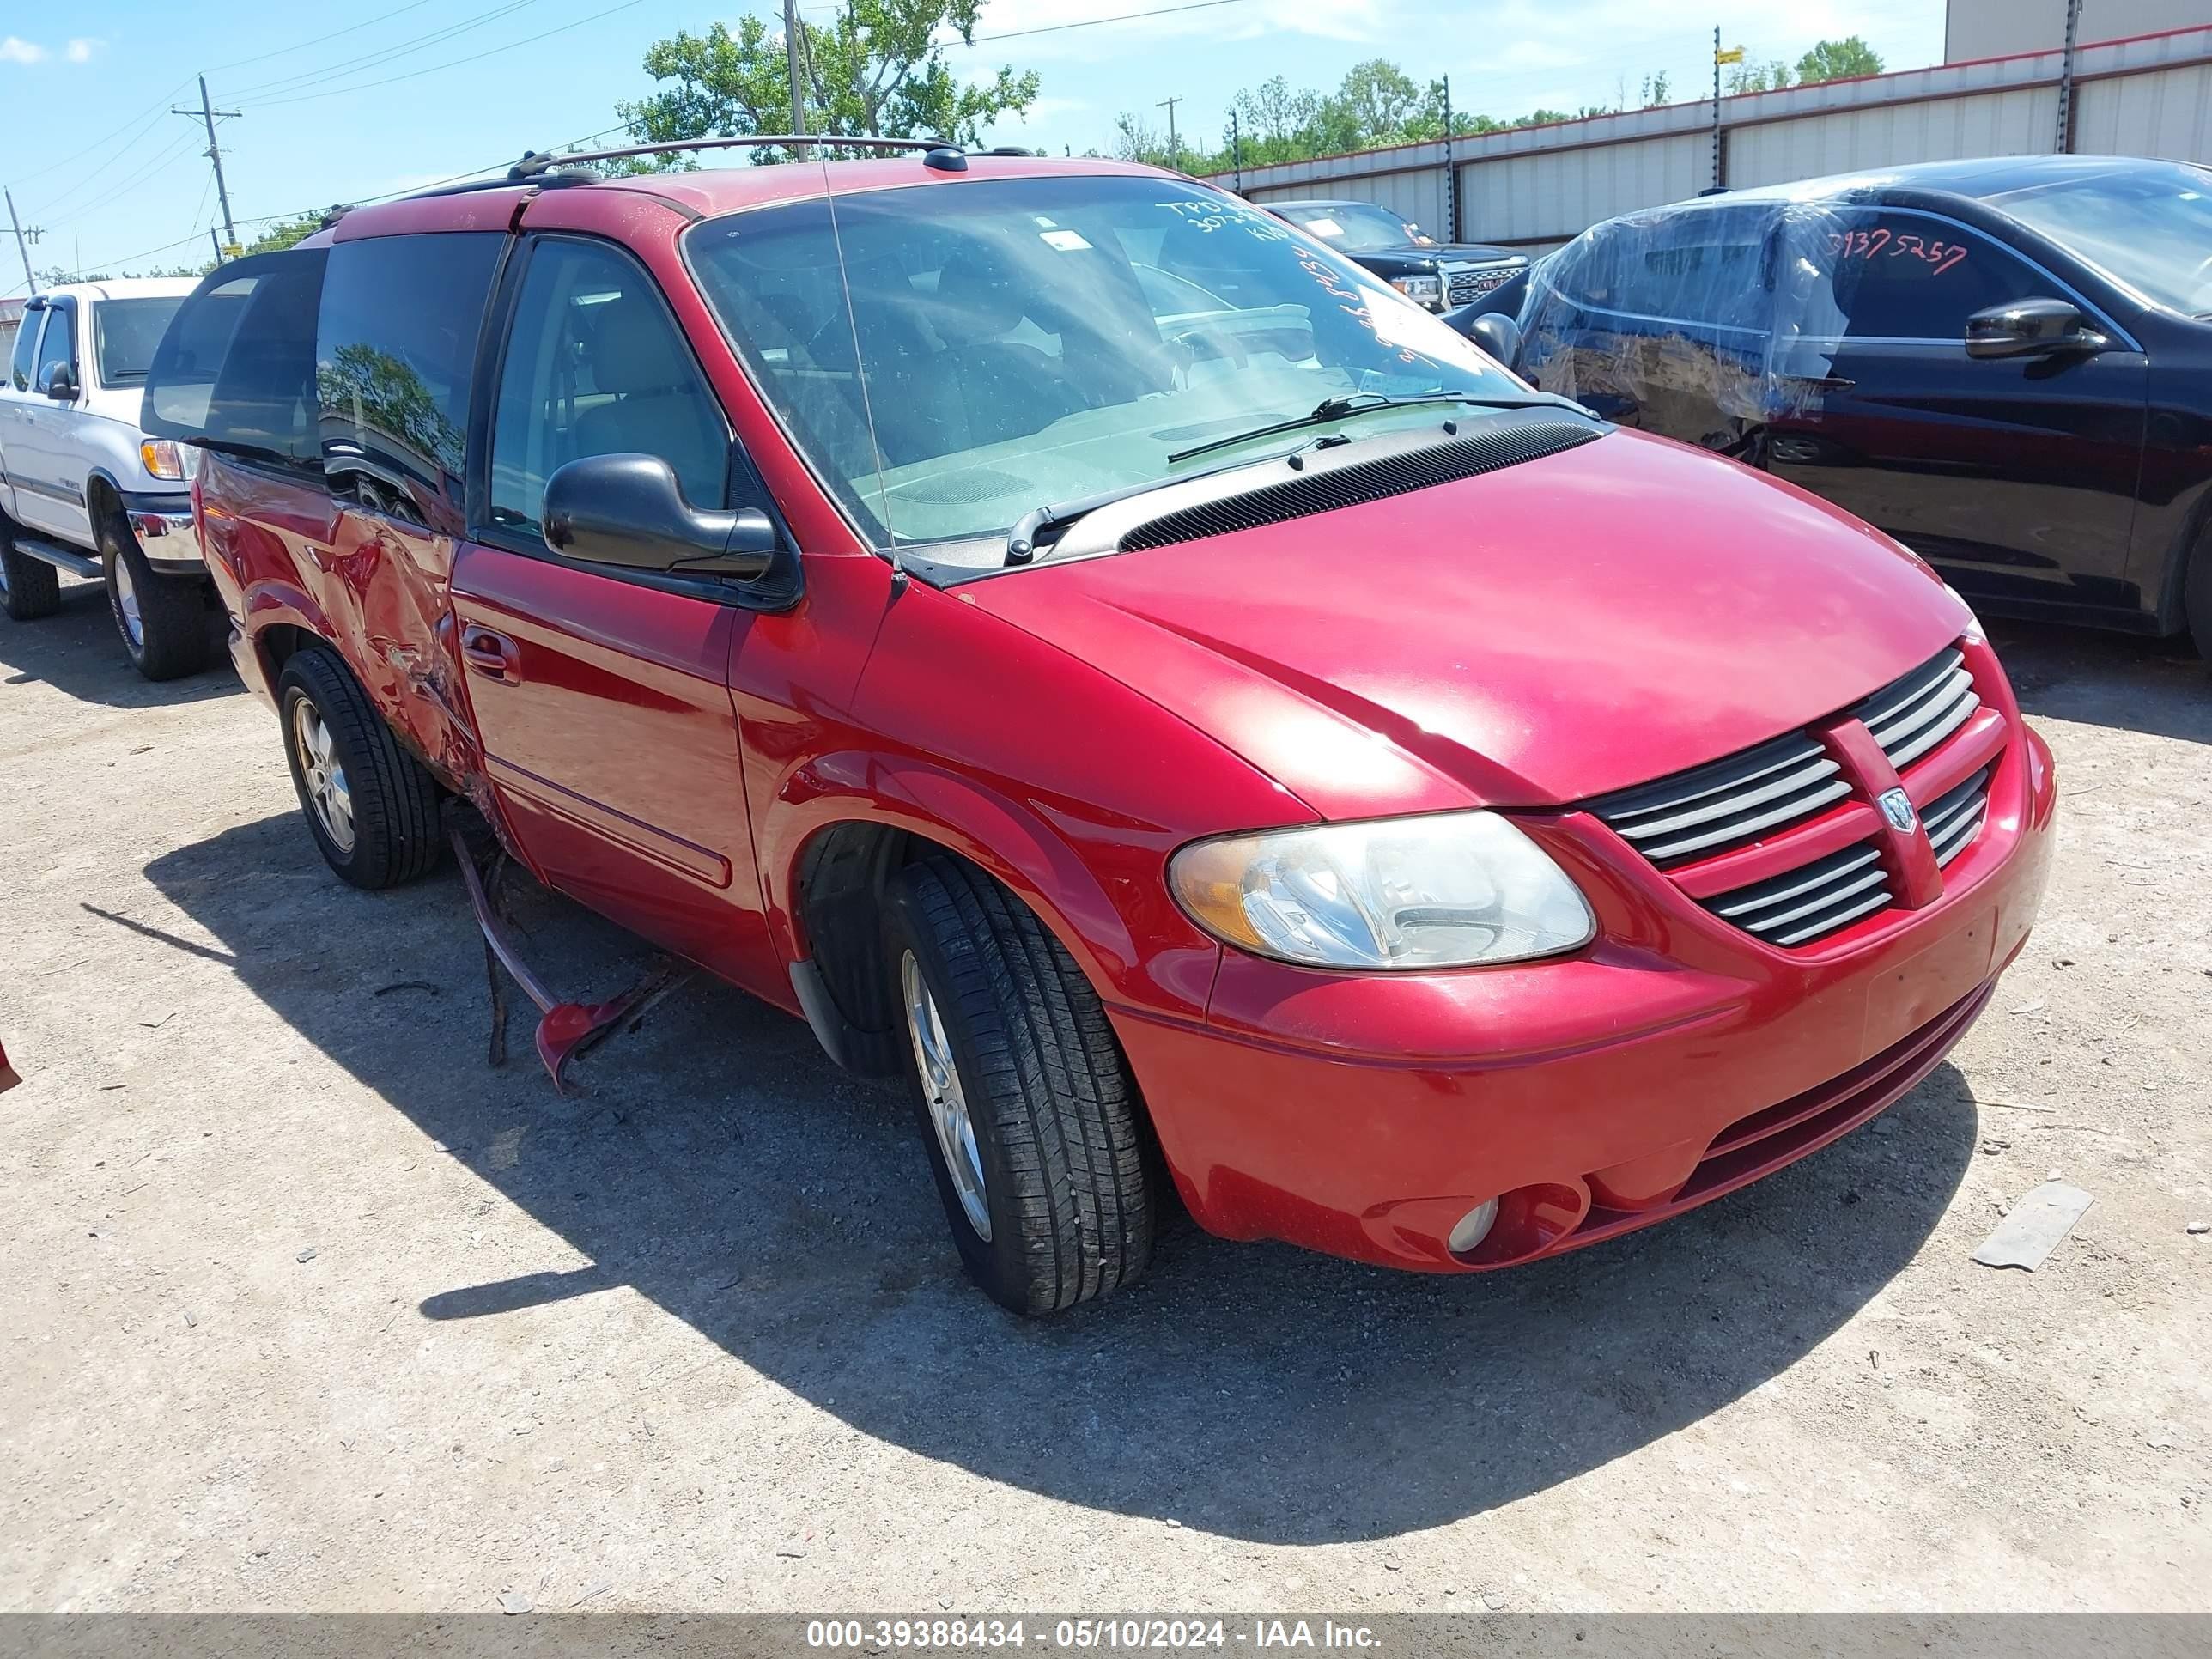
(1497, 334)
(61, 385)
(2030, 328)
(628, 510)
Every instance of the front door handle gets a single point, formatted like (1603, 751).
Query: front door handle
(492, 655)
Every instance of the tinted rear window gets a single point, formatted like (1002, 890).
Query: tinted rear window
(236, 367)
(393, 357)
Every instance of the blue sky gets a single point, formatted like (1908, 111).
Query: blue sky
(342, 105)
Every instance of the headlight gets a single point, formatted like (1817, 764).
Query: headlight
(1974, 630)
(1426, 290)
(161, 458)
(1443, 891)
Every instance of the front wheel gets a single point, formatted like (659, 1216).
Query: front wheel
(1026, 1104)
(163, 620)
(372, 807)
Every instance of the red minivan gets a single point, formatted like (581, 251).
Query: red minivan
(1082, 643)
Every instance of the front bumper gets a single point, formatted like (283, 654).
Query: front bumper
(1673, 1061)
(166, 534)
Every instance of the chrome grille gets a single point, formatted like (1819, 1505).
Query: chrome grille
(1800, 905)
(1954, 818)
(1772, 790)
(1726, 804)
(1909, 716)
(1468, 282)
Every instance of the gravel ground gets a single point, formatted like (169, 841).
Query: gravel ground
(306, 1308)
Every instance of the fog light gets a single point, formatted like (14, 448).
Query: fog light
(1473, 1227)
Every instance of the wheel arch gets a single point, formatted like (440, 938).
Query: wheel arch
(827, 857)
(103, 495)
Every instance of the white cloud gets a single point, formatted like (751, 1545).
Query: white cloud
(81, 50)
(15, 50)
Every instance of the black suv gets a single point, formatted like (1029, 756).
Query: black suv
(1463, 281)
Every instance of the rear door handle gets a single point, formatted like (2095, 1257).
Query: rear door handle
(492, 655)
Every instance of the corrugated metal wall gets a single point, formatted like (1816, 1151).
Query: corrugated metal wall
(2021, 123)
(1535, 187)
(1524, 199)
(2167, 113)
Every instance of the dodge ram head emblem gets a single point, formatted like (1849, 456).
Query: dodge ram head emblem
(1896, 806)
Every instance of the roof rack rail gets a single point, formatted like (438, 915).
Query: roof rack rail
(534, 165)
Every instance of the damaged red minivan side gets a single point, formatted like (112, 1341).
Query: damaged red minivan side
(1080, 642)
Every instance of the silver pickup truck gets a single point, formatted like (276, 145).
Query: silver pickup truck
(83, 489)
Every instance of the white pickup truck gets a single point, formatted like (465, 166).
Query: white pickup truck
(83, 489)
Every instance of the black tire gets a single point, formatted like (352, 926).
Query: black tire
(393, 798)
(168, 636)
(29, 589)
(1052, 1109)
(2196, 595)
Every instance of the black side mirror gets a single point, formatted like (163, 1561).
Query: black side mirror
(2030, 328)
(1497, 334)
(628, 510)
(61, 385)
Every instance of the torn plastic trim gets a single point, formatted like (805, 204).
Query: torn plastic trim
(564, 1029)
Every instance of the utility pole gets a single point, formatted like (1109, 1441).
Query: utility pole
(1719, 58)
(210, 115)
(1175, 152)
(1237, 151)
(791, 38)
(217, 242)
(2066, 78)
(1451, 173)
(21, 246)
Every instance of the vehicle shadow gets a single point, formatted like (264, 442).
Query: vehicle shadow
(2158, 687)
(75, 650)
(720, 1167)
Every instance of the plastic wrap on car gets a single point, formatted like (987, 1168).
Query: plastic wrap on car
(1691, 321)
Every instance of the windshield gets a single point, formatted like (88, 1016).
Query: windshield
(2149, 227)
(127, 332)
(1356, 226)
(1022, 342)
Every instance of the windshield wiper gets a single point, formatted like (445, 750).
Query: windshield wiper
(1357, 403)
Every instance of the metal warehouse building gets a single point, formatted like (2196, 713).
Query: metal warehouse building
(1535, 187)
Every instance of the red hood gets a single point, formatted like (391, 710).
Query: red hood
(1553, 630)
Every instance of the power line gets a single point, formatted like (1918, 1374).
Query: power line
(302, 45)
(97, 143)
(369, 201)
(304, 78)
(493, 51)
(1116, 17)
(140, 129)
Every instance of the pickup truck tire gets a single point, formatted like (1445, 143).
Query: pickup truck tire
(372, 807)
(1027, 1107)
(29, 589)
(163, 620)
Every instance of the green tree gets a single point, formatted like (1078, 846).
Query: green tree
(1655, 90)
(1380, 104)
(1748, 77)
(1838, 60)
(284, 233)
(879, 69)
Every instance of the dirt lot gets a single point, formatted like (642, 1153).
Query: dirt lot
(305, 1307)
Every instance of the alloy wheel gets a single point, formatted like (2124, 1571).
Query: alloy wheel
(127, 612)
(322, 774)
(946, 1096)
